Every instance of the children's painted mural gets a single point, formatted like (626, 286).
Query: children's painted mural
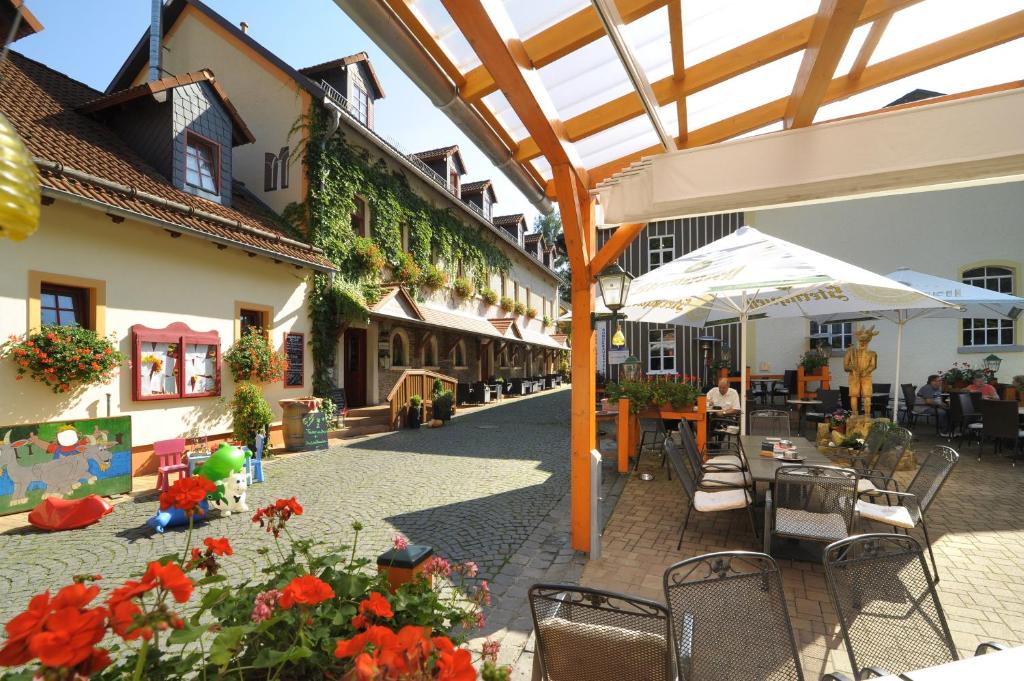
(66, 459)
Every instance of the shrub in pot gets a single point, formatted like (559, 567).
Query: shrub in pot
(432, 277)
(252, 358)
(489, 295)
(507, 304)
(415, 410)
(519, 309)
(531, 312)
(443, 405)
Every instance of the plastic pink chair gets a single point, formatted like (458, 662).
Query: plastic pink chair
(169, 455)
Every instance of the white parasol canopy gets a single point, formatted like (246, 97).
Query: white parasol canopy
(750, 275)
(966, 302)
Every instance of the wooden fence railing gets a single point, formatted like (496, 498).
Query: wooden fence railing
(415, 382)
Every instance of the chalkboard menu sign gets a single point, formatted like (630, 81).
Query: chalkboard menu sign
(315, 430)
(295, 352)
(338, 397)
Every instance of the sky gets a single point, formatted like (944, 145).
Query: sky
(90, 39)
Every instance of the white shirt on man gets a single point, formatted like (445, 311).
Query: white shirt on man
(730, 400)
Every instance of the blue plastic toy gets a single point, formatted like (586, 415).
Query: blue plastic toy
(175, 517)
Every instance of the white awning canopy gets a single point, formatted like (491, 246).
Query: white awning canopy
(945, 144)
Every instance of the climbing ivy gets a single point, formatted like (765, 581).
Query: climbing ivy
(337, 172)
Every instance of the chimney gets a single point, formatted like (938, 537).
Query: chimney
(244, 26)
(155, 51)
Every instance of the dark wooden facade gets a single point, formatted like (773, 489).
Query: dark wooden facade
(688, 234)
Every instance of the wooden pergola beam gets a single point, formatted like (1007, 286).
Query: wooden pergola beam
(871, 41)
(405, 11)
(949, 49)
(614, 247)
(737, 61)
(675, 36)
(831, 32)
(556, 41)
(490, 32)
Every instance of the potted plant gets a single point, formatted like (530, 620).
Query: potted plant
(501, 387)
(667, 394)
(519, 308)
(250, 413)
(837, 420)
(489, 295)
(507, 304)
(415, 411)
(812, 361)
(463, 287)
(252, 359)
(958, 376)
(442, 405)
(432, 278)
(531, 312)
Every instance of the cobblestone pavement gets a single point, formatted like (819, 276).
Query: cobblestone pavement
(976, 525)
(491, 487)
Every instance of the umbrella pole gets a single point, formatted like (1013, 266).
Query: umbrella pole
(899, 351)
(743, 373)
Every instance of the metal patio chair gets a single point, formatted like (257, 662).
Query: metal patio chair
(878, 472)
(711, 475)
(594, 635)
(906, 510)
(724, 498)
(810, 503)
(735, 461)
(829, 404)
(719, 603)
(887, 606)
(1001, 423)
(652, 437)
(771, 422)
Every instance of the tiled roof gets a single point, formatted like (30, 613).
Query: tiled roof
(441, 152)
(506, 326)
(240, 131)
(502, 220)
(41, 104)
(9, 9)
(346, 61)
(533, 238)
(478, 188)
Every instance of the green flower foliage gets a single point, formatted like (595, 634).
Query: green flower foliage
(519, 309)
(463, 287)
(337, 173)
(489, 295)
(531, 312)
(653, 392)
(64, 357)
(546, 321)
(507, 304)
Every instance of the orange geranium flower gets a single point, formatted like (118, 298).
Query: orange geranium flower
(377, 605)
(122, 621)
(186, 494)
(69, 637)
(305, 590)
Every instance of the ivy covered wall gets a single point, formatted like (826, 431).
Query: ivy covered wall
(337, 172)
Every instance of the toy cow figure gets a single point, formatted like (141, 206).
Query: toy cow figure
(235, 486)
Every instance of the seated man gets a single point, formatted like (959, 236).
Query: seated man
(724, 397)
(930, 394)
(980, 385)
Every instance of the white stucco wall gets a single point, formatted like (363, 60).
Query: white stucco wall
(940, 233)
(152, 280)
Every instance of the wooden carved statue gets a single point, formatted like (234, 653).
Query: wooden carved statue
(859, 364)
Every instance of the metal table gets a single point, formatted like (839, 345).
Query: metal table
(998, 666)
(762, 468)
(803, 409)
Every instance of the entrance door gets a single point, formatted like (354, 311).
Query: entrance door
(355, 367)
(485, 361)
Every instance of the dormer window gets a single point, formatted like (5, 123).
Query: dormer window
(360, 105)
(202, 161)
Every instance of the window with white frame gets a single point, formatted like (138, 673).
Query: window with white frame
(660, 250)
(989, 331)
(661, 351)
(840, 334)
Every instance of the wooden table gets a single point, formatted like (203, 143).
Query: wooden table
(998, 666)
(762, 468)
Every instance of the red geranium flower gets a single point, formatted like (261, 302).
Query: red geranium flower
(218, 547)
(377, 605)
(69, 637)
(293, 506)
(123, 621)
(187, 493)
(171, 578)
(305, 590)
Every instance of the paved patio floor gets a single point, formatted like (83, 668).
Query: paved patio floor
(976, 524)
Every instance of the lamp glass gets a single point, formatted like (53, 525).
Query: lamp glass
(993, 363)
(614, 283)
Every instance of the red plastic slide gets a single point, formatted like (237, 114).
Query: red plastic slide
(54, 514)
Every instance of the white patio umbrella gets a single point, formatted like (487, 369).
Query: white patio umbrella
(750, 275)
(966, 302)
